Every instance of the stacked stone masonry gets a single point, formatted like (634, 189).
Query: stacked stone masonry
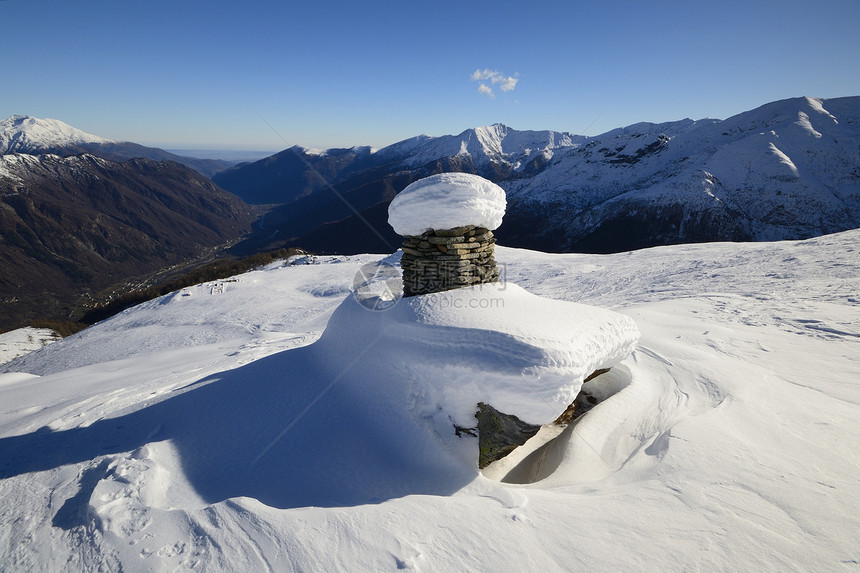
(446, 259)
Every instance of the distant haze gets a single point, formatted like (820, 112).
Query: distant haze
(224, 154)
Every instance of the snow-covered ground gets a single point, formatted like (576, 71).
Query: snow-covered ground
(217, 428)
(22, 341)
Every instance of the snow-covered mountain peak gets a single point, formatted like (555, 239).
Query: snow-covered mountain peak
(25, 134)
(495, 144)
(490, 133)
(500, 129)
(509, 141)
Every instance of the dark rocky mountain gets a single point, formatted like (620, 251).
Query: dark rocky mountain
(263, 182)
(35, 136)
(71, 226)
(787, 170)
(355, 206)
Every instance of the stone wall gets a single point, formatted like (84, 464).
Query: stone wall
(445, 259)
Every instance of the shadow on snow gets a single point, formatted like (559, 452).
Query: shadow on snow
(281, 430)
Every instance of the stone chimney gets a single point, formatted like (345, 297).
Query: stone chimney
(447, 224)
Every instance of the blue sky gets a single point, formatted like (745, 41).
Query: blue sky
(324, 74)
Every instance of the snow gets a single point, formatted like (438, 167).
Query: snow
(26, 134)
(22, 341)
(784, 169)
(487, 146)
(12, 165)
(270, 423)
(785, 160)
(495, 343)
(446, 201)
(817, 105)
(805, 124)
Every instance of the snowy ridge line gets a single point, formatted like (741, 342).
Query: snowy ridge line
(495, 143)
(782, 171)
(22, 133)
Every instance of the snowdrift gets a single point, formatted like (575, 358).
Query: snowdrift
(364, 414)
(497, 343)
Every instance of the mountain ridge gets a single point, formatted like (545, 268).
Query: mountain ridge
(21, 133)
(738, 170)
(36, 136)
(785, 170)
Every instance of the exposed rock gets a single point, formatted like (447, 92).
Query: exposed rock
(583, 402)
(499, 434)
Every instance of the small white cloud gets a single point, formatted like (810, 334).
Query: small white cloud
(508, 84)
(505, 83)
(480, 75)
(485, 89)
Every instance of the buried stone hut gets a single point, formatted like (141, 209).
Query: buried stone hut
(447, 223)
